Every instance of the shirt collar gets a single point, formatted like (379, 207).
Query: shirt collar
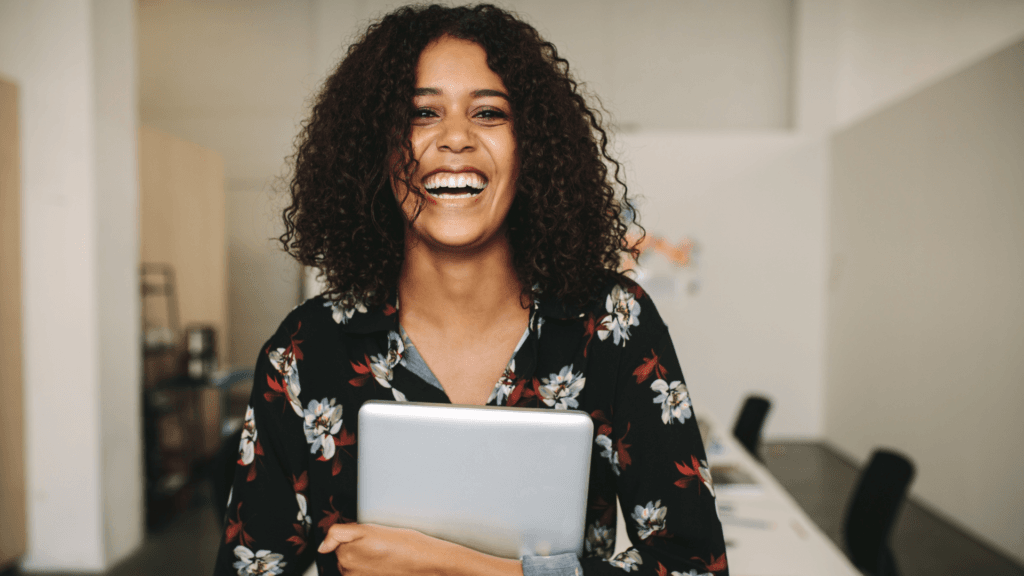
(554, 308)
(358, 318)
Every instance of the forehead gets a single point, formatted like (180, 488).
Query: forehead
(453, 64)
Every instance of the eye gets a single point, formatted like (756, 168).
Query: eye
(424, 116)
(491, 114)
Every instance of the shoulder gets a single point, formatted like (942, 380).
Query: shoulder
(624, 313)
(308, 329)
(624, 296)
(300, 359)
(314, 316)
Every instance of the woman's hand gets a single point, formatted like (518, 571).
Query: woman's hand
(372, 550)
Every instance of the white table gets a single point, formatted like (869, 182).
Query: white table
(766, 531)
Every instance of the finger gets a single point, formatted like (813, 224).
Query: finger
(338, 534)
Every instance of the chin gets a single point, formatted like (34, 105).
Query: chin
(457, 240)
(457, 244)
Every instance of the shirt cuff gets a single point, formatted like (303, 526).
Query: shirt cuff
(561, 565)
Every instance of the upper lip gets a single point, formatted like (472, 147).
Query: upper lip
(455, 170)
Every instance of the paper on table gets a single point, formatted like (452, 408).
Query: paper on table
(731, 479)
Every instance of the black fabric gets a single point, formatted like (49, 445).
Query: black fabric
(873, 509)
(222, 473)
(750, 422)
(296, 472)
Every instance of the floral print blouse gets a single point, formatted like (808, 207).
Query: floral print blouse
(296, 472)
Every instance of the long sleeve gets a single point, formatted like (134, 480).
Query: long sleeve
(652, 442)
(267, 521)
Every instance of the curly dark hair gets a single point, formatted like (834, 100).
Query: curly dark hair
(567, 225)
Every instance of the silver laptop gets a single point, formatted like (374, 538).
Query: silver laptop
(510, 482)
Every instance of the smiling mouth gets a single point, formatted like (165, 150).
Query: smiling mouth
(453, 185)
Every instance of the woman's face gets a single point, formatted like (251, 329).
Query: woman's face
(462, 137)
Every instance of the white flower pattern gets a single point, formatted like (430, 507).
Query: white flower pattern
(382, 365)
(381, 369)
(609, 452)
(396, 349)
(650, 519)
(342, 312)
(629, 560)
(247, 446)
(259, 563)
(284, 362)
(321, 421)
(674, 399)
(303, 516)
(504, 386)
(600, 540)
(623, 313)
(560, 390)
(705, 476)
(564, 388)
(536, 321)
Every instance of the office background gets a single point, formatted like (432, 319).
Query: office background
(848, 169)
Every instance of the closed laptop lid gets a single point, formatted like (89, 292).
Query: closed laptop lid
(510, 482)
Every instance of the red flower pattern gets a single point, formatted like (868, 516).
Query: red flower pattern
(629, 428)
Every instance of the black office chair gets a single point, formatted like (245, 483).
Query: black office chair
(872, 512)
(750, 422)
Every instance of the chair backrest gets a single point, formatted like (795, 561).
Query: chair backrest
(750, 421)
(873, 508)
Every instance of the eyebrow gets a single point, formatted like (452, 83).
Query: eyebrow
(482, 93)
(485, 93)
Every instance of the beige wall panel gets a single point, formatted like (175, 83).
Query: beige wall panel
(183, 224)
(925, 338)
(263, 285)
(12, 439)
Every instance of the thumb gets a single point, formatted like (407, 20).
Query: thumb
(338, 534)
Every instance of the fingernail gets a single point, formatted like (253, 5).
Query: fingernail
(321, 548)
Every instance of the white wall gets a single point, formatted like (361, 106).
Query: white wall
(229, 76)
(83, 462)
(926, 321)
(263, 279)
(117, 274)
(667, 65)
(671, 65)
(756, 206)
(889, 50)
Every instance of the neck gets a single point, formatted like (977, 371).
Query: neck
(447, 289)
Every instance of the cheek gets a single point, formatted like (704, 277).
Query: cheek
(511, 158)
(504, 154)
(420, 140)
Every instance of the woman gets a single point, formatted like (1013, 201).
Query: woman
(452, 185)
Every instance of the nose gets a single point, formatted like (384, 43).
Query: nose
(456, 135)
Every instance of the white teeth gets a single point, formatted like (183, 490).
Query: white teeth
(449, 180)
(449, 195)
